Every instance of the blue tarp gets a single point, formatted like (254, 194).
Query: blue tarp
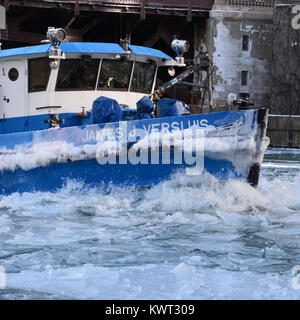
(128, 114)
(171, 108)
(106, 110)
(145, 105)
(145, 108)
(140, 116)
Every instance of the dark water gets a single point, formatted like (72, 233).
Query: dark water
(182, 239)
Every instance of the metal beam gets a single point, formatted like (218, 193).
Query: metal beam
(143, 12)
(89, 26)
(76, 8)
(15, 34)
(160, 33)
(141, 7)
(6, 4)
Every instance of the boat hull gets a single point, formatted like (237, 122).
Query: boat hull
(27, 167)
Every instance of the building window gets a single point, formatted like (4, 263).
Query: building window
(245, 42)
(38, 74)
(77, 74)
(143, 77)
(114, 75)
(244, 78)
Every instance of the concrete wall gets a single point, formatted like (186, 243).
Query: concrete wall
(223, 40)
(284, 131)
(284, 124)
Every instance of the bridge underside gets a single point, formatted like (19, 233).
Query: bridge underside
(108, 21)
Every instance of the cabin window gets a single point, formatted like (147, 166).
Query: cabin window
(77, 74)
(38, 74)
(115, 74)
(143, 76)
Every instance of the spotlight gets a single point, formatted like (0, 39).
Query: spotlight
(56, 35)
(180, 47)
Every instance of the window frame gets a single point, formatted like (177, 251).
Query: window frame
(79, 89)
(115, 89)
(29, 74)
(153, 77)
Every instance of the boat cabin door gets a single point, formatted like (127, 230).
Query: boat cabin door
(12, 91)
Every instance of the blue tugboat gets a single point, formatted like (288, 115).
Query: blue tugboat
(90, 112)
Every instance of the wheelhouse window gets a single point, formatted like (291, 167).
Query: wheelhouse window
(115, 74)
(143, 77)
(38, 74)
(77, 74)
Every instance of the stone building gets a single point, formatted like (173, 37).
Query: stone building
(239, 39)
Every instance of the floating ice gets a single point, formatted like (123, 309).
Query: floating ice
(182, 239)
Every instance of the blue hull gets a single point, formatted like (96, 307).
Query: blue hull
(41, 175)
(92, 174)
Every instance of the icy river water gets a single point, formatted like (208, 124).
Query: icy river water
(181, 239)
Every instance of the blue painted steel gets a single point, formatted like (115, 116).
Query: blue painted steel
(39, 49)
(32, 123)
(77, 135)
(20, 124)
(92, 173)
(144, 51)
(84, 47)
(68, 47)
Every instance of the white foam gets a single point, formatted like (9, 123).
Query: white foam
(43, 154)
(182, 239)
